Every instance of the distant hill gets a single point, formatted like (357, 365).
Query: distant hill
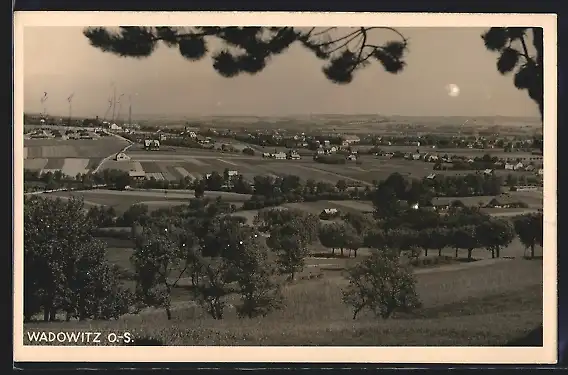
(360, 121)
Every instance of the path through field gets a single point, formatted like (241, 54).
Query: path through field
(130, 144)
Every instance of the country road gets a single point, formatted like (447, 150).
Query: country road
(130, 144)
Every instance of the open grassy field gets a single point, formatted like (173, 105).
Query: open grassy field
(122, 200)
(477, 306)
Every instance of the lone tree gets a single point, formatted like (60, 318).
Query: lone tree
(381, 284)
(249, 49)
(514, 55)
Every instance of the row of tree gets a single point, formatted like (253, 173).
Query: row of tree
(414, 231)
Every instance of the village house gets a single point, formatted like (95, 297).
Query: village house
(137, 175)
(293, 155)
(416, 156)
(518, 166)
(541, 172)
(122, 156)
(279, 156)
(349, 139)
(352, 157)
(488, 172)
(509, 166)
(505, 201)
(431, 176)
(529, 168)
(430, 158)
(329, 213)
(151, 144)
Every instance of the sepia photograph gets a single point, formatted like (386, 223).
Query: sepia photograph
(231, 181)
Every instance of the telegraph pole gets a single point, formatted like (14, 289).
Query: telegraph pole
(113, 104)
(69, 99)
(129, 110)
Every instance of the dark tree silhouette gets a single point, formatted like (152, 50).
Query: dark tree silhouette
(249, 49)
(512, 44)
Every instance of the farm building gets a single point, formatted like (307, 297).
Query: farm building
(444, 203)
(505, 201)
(122, 156)
(518, 166)
(137, 175)
(151, 144)
(293, 155)
(430, 158)
(349, 139)
(328, 213)
(509, 166)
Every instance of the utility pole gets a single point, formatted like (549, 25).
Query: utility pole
(113, 104)
(69, 99)
(129, 110)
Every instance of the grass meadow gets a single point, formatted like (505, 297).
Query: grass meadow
(479, 306)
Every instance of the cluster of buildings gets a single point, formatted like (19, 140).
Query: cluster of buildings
(521, 164)
(68, 134)
(290, 155)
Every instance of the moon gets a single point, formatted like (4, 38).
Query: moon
(453, 90)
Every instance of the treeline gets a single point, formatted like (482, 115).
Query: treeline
(36, 181)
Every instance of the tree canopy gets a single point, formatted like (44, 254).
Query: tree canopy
(249, 49)
(512, 44)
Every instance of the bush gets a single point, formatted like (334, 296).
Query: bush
(248, 151)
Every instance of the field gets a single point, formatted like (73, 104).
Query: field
(155, 199)
(475, 306)
(69, 156)
(175, 163)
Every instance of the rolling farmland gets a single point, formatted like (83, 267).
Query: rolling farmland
(69, 156)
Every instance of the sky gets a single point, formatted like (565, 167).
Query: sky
(60, 61)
